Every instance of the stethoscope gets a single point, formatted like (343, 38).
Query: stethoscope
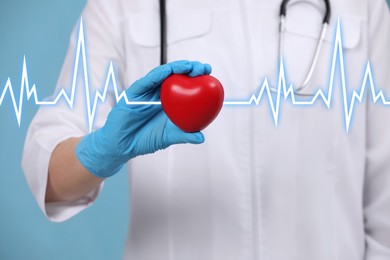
(282, 29)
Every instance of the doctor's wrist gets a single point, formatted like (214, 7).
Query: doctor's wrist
(100, 162)
(67, 178)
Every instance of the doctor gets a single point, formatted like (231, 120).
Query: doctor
(303, 190)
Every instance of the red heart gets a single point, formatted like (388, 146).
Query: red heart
(191, 103)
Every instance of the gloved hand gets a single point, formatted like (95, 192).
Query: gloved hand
(133, 130)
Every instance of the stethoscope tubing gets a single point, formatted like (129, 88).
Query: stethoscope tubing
(283, 13)
(283, 10)
(163, 32)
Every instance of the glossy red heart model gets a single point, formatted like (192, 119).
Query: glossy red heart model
(191, 103)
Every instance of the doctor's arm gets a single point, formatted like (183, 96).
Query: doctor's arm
(377, 179)
(78, 165)
(67, 178)
(61, 159)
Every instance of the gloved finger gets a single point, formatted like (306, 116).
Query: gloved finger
(195, 67)
(149, 82)
(156, 76)
(144, 109)
(174, 135)
(207, 68)
(199, 69)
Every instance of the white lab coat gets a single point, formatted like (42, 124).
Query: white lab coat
(303, 190)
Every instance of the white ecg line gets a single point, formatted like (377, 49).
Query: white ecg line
(265, 89)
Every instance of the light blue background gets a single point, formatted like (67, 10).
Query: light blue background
(40, 29)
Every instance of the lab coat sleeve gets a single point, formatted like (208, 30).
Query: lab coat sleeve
(53, 124)
(377, 180)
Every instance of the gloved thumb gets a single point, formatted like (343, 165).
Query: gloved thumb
(175, 135)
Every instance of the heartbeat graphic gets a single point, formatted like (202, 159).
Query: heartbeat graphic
(265, 90)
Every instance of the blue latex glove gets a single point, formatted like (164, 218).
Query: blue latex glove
(133, 130)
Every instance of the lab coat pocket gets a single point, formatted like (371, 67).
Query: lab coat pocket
(145, 27)
(185, 31)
